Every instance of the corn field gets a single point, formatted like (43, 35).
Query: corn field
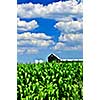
(50, 81)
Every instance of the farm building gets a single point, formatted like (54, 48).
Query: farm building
(53, 57)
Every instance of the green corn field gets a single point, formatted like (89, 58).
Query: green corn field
(50, 81)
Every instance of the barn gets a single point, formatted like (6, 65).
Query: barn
(53, 57)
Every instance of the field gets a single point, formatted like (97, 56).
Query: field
(50, 81)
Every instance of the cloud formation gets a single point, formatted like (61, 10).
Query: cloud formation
(71, 37)
(63, 46)
(69, 41)
(28, 35)
(56, 10)
(69, 26)
(27, 50)
(34, 39)
(20, 50)
(26, 26)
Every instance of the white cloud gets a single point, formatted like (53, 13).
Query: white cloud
(71, 37)
(63, 46)
(69, 42)
(44, 43)
(35, 42)
(59, 45)
(55, 10)
(27, 50)
(20, 50)
(28, 35)
(67, 19)
(32, 51)
(39, 61)
(69, 26)
(34, 39)
(25, 26)
(63, 12)
(23, 42)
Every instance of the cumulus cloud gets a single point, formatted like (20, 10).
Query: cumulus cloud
(25, 26)
(36, 39)
(36, 42)
(55, 10)
(42, 42)
(59, 45)
(71, 37)
(28, 35)
(31, 43)
(64, 46)
(69, 42)
(63, 12)
(27, 50)
(69, 26)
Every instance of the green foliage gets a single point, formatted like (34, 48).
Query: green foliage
(50, 81)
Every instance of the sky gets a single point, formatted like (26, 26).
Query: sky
(49, 26)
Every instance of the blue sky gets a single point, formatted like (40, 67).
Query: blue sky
(44, 2)
(49, 26)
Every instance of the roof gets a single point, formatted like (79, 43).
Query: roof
(54, 55)
(65, 59)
